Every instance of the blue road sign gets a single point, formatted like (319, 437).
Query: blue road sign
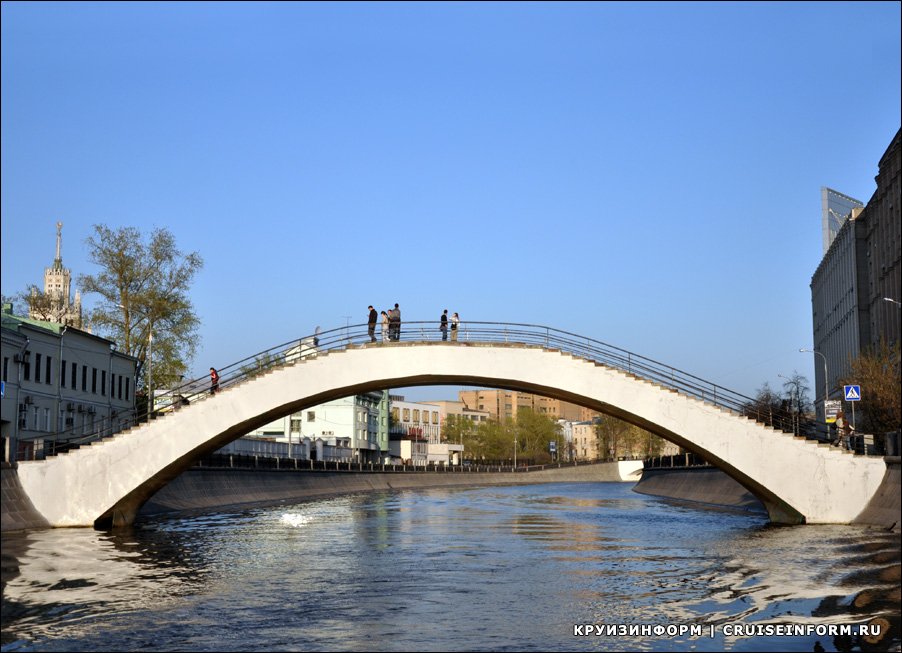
(852, 392)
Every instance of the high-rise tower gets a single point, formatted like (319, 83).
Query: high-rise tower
(56, 305)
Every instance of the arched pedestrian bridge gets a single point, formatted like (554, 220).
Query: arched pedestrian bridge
(798, 480)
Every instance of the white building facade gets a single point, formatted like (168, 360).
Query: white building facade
(352, 429)
(60, 384)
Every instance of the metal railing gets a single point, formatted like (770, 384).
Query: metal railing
(236, 461)
(468, 334)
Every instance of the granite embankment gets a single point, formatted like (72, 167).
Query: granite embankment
(705, 484)
(212, 488)
(709, 485)
(209, 489)
(17, 513)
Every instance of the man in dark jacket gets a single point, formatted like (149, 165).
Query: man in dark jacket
(371, 325)
(394, 317)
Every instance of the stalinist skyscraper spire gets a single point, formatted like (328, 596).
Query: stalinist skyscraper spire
(58, 261)
(56, 304)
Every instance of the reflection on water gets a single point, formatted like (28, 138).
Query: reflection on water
(479, 569)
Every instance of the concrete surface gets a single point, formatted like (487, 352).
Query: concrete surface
(107, 483)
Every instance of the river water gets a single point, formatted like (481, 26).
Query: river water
(514, 568)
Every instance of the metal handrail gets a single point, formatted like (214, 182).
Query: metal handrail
(468, 333)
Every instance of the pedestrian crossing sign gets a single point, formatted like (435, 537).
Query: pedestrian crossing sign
(852, 392)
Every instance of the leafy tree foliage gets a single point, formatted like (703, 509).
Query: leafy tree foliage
(619, 439)
(877, 370)
(488, 441)
(529, 434)
(533, 433)
(457, 429)
(143, 286)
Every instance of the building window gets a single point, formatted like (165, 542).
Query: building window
(6, 368)
(47, 419)
(47, 370)
(435, 417)
(26, 373)
(63, 375)
(311, 416)
(127, 389)
(406, 415)
(416, 416)
(120, 386)
(84, 378)
(94, 380)
(74, 376)
(103, 382)
(37, 368)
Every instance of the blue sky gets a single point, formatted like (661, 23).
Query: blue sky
(644, 174)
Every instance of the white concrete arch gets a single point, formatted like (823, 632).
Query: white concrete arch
(797, 480)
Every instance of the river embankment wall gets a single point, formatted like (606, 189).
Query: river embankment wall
(211, 488)
(703, 484)
(215, 488)
(885, 507)
(709, 485)
(17, 512)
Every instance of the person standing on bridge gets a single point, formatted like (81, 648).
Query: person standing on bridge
(214, 381)
(385, 324)
(395, 318)
(443, 325)
(455, 324)
(371, 324)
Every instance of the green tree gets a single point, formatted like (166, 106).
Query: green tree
(877, 370)
(456, 429)
(533, 433)
(489, 441)
(626, 440)
(143, 287)
(610, 432)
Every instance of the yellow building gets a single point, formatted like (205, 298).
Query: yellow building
(505, 403)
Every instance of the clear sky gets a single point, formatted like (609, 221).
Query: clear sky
(644, 174)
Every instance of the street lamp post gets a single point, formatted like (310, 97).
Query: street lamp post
(826, 386)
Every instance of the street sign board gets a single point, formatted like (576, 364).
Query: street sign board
(552, 446)
(832, 406)
(852, 392)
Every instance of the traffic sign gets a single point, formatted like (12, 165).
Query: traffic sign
(852, 392)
